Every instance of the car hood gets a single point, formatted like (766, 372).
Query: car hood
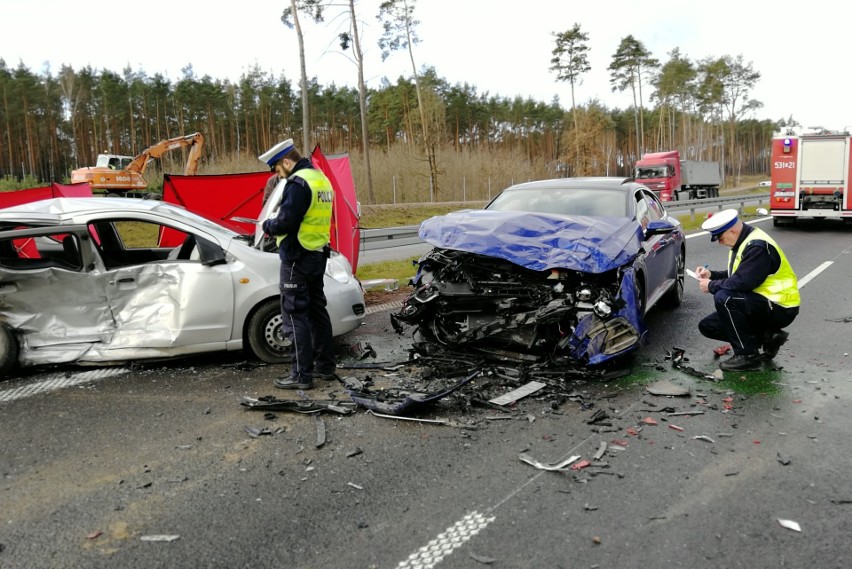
(538, 241)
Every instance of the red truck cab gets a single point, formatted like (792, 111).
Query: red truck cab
(660, 172)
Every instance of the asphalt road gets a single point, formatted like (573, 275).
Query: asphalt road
(152, 466)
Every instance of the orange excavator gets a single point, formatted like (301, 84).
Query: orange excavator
(119, 176)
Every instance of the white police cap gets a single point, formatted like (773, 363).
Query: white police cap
(720, 222)
(276, 153)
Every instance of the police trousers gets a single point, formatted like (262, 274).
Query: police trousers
(744, 318)
(305, 318)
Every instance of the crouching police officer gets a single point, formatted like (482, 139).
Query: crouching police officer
(302, 228)
(755, 297)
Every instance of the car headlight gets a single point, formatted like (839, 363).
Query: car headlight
(338, 268)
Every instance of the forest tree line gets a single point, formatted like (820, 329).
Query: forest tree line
(53, 123)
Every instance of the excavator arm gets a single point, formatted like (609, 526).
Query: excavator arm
(194, 141)
(130, 178)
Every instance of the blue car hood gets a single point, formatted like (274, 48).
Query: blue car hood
(538, 241)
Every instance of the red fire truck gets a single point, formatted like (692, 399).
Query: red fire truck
(811, 176)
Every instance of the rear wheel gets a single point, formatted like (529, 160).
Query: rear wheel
(674, 297)
(8, 351)
(266, 336)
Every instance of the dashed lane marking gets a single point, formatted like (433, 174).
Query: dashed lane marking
(57, 381)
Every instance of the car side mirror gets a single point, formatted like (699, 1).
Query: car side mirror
(659, 227)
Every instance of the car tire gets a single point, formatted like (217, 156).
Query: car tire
(8, 351)
(641, 301)
(265, 336)
(674, 296)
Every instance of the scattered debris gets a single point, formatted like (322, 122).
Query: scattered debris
(354, 485)
(783, 459)
(361, 351)
(543, 466)
(667, 388)
(159, 537)
(354, 452)
(596, 540)
(95, 534)
(703, 438)
(678, 359)
(676, 428)
(589, 508)
(581, 465)
(649, 421)
(790, 524)
(272, 403)
(684, 413)
(394, 402)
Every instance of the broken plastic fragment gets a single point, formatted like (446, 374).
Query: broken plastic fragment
(518, 393)
(790, 524)
(482, 559)
(649, 421)
(581, 465)
(704, 438)
(722, 350)
(667, 388)
(676, 428)
(543, 466)
(159, 537)
(361, 350)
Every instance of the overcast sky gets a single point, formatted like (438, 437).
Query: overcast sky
(501, 47)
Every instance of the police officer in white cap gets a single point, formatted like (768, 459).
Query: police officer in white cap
(302, 230)
(755, 297)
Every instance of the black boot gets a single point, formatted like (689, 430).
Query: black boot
(772, 342)
(742, 362)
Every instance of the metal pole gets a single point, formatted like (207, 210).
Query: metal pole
(394, 190)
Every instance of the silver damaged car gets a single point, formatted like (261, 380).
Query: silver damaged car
(91, 281)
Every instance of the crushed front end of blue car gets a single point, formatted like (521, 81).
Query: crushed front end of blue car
(526, 287)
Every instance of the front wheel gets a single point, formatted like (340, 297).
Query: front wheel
(266, 336)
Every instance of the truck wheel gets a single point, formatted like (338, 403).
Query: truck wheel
(8, 351)
(265, 335)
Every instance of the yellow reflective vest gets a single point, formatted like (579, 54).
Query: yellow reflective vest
(781, 287)
(315, 229)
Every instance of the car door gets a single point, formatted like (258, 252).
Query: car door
(163, 299)
(660, 249)
(47, 293)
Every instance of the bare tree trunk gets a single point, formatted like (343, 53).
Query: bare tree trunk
(306, 123)
(362, 103)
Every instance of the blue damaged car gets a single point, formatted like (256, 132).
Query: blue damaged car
(554, 270)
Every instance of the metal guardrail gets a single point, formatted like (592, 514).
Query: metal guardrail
(718, 203)
(407, 234)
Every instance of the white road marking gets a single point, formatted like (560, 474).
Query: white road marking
(57, 381)
(814, 273)
(451, 539)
